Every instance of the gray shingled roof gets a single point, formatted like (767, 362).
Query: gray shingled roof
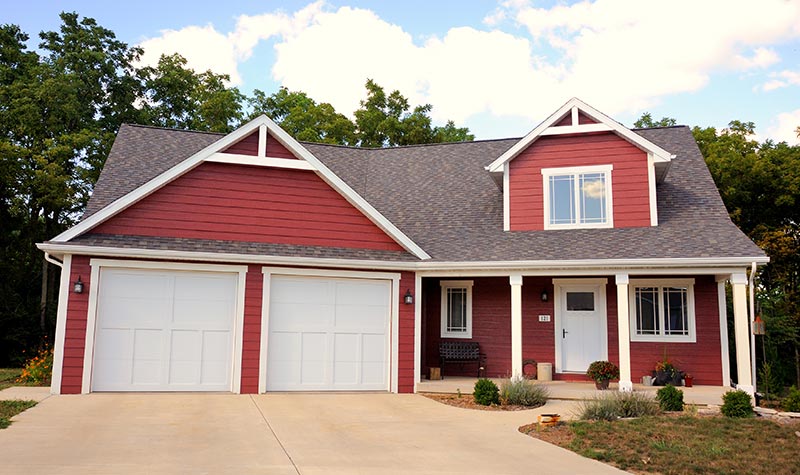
(443, 199)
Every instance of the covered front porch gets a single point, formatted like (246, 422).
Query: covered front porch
(574, 390)
(634, 319)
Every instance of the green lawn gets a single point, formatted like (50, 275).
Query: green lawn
(9, 409)
(685, 444)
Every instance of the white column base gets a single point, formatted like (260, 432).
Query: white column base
(626, 386)
(747, 388)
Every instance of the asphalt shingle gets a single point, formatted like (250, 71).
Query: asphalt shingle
(443, 199)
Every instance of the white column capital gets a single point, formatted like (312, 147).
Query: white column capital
(623, 279)
(515, 279)
(739, 278)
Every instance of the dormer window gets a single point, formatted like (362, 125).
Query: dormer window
(577, 197)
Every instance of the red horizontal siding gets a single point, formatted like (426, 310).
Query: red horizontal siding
(629, 177)
(405, 337)
(75, 335)
(276, 149)
(251, 329)
(246, 146)
(254, 204)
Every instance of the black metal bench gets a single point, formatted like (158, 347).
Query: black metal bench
(461, 352)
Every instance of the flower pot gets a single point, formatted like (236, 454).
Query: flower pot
(688, 381)
(602, 384)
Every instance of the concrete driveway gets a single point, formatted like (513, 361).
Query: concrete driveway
(275, 434)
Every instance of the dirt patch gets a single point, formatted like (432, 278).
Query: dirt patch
(467, 402)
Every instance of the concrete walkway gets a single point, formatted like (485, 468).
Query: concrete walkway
(276, 434)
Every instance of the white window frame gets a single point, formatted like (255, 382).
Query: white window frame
(575, 171)
(456, 284)
(661, 284)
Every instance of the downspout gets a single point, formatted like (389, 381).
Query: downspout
(53, 260)
(752, 318)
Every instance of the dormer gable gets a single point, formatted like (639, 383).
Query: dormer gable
(580, 169)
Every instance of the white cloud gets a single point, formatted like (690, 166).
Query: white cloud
(622, 56)
(785, 128)
(203, 47)
(781, 79)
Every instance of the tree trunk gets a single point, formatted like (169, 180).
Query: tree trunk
(43, 300)
(797, 364)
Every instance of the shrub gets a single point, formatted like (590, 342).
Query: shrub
(38, 369)
(791, 402)
(618, 404)
(736, 404)
(522, 392)
(486, 392)
(603, 370)
(670, 398)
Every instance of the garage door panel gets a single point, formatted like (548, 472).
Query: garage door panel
(320, 331)
(367, 317)
(302, 291)
(301, 316)
(164, 330)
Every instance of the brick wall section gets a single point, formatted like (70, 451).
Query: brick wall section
(629, 177)
(75, 335)
(405, 360)
(251, 331)
(254, 204)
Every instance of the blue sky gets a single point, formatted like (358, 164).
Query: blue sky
(496, 67)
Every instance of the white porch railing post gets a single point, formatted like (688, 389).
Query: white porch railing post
(516, 324)
(624, 333)
(723, 329)
(742, 333)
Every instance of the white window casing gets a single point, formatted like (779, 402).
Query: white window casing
(451, 288)
(659, 289)
(576, 174)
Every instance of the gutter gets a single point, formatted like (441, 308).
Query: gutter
(418, 266)
(752, 319)
(52, 260)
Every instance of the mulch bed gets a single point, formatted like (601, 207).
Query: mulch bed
(467, 402)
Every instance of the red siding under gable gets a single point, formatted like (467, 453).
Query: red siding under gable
(629, 178)
(567, 120)
(251, 204)
(75, 335)
(251, 329)
(249, 146)
(405, 337)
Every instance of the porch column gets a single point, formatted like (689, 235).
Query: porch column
(723, 329)
(742, 333)
(516, 324)
(624, 333)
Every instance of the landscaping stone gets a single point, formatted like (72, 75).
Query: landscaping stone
(765, 410)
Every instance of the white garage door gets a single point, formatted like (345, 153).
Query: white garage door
(164, 331)
(328, 334)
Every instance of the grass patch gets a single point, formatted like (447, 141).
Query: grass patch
(682, 444)
(9, 409)
(8, 378)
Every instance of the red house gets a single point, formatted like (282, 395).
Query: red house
(250, 262)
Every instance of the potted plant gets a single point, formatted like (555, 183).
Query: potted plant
(667, 373)
(602, 372)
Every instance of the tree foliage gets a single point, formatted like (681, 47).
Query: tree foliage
(646, 121)
(60, 108)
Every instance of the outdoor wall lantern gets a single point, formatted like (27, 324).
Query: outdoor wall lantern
(78, 288)
(408, 298)
(544, 295)
(759, 328)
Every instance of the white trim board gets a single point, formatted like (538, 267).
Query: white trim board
(64, 289)
(263, 124)
(719, 265)
(91, 320)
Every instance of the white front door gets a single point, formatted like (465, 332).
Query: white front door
(581, 312)
(160, 330)
(328, 334)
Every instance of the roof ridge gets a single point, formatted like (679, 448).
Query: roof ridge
(173, 129)
(661, 127)
(354, 147)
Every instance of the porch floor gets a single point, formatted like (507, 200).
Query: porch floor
(697, 395)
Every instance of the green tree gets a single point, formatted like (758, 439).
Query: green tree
(303, 118)
(646, 121)
(175, 96)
